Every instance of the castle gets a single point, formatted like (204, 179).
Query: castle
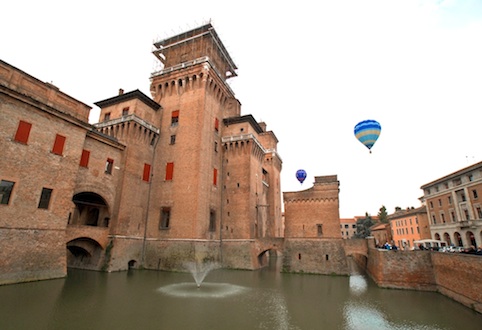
(178, 177)
(158, 181)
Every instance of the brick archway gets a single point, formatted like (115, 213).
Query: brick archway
(84, 253)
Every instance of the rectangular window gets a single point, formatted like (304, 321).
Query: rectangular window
(439, 202)
(23, 132)
(212, 221)
(125, 111)
(319, 230)
(107, 116)
(216, 124)
(173, 139)
(169, 171)
(215, 146)
(175, 118)
(6, 188)
(109, 164)
(215, 176)
(475, 194)
(84, 159)
(45, 198)
(147, 172)
(450, 200)
(478, 209)
(59, 143)
(165, 217)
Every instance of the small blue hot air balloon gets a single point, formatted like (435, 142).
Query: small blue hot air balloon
(301, 175)
(367, 132)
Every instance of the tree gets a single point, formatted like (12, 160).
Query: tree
(363, 226)
(382, 214)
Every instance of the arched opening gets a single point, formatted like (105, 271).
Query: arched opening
(90, 210)
(132, 264)
(437, 236)
(84, 253)
(471, 238)
(271, 259)
(447, 239)
(458, 239)
(357, 263)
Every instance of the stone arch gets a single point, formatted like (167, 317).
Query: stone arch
(458, 239)
(447, 239)
(91, 209)
(132, 264)
(265, 256)
(469, 235)
(83, 253)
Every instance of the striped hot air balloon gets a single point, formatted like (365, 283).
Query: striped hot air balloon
(367, 132)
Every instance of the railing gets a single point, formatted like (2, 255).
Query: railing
(124, 119)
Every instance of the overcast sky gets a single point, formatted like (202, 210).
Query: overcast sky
(310, 69)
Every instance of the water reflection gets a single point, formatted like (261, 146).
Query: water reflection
(227, 299)
(361, 316)
(362, 312)
(206, 290)
(358, 284)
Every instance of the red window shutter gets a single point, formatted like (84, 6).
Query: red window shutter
(109, 165)
(169, 171)
(58, 144)
(84, 159)
(175, 114)
(147, 172)
(23, 131)
(216, 124)
(215, 177)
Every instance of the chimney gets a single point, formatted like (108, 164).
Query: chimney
(263, 125)
(121, 91)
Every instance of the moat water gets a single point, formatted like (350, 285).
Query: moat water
(226, 299)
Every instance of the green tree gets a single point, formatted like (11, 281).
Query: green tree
(363, 226)
(382, 214)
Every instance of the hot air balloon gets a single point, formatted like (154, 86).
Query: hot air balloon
(301, 175)
(367, 132)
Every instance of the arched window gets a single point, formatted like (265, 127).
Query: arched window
(458, 239)
(471, 238)
(447, 239)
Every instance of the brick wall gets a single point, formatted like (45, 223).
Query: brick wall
(38, 255)
(316, 256)
(458, 276)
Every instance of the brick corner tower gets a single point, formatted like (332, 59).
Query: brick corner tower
(208, 157)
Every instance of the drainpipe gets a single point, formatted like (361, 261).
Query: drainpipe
(223, 182)
(143, 255)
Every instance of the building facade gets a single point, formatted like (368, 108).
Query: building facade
(408, 226)
(158, 181)
(381, 233)
(454, 207)
(347, 227)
